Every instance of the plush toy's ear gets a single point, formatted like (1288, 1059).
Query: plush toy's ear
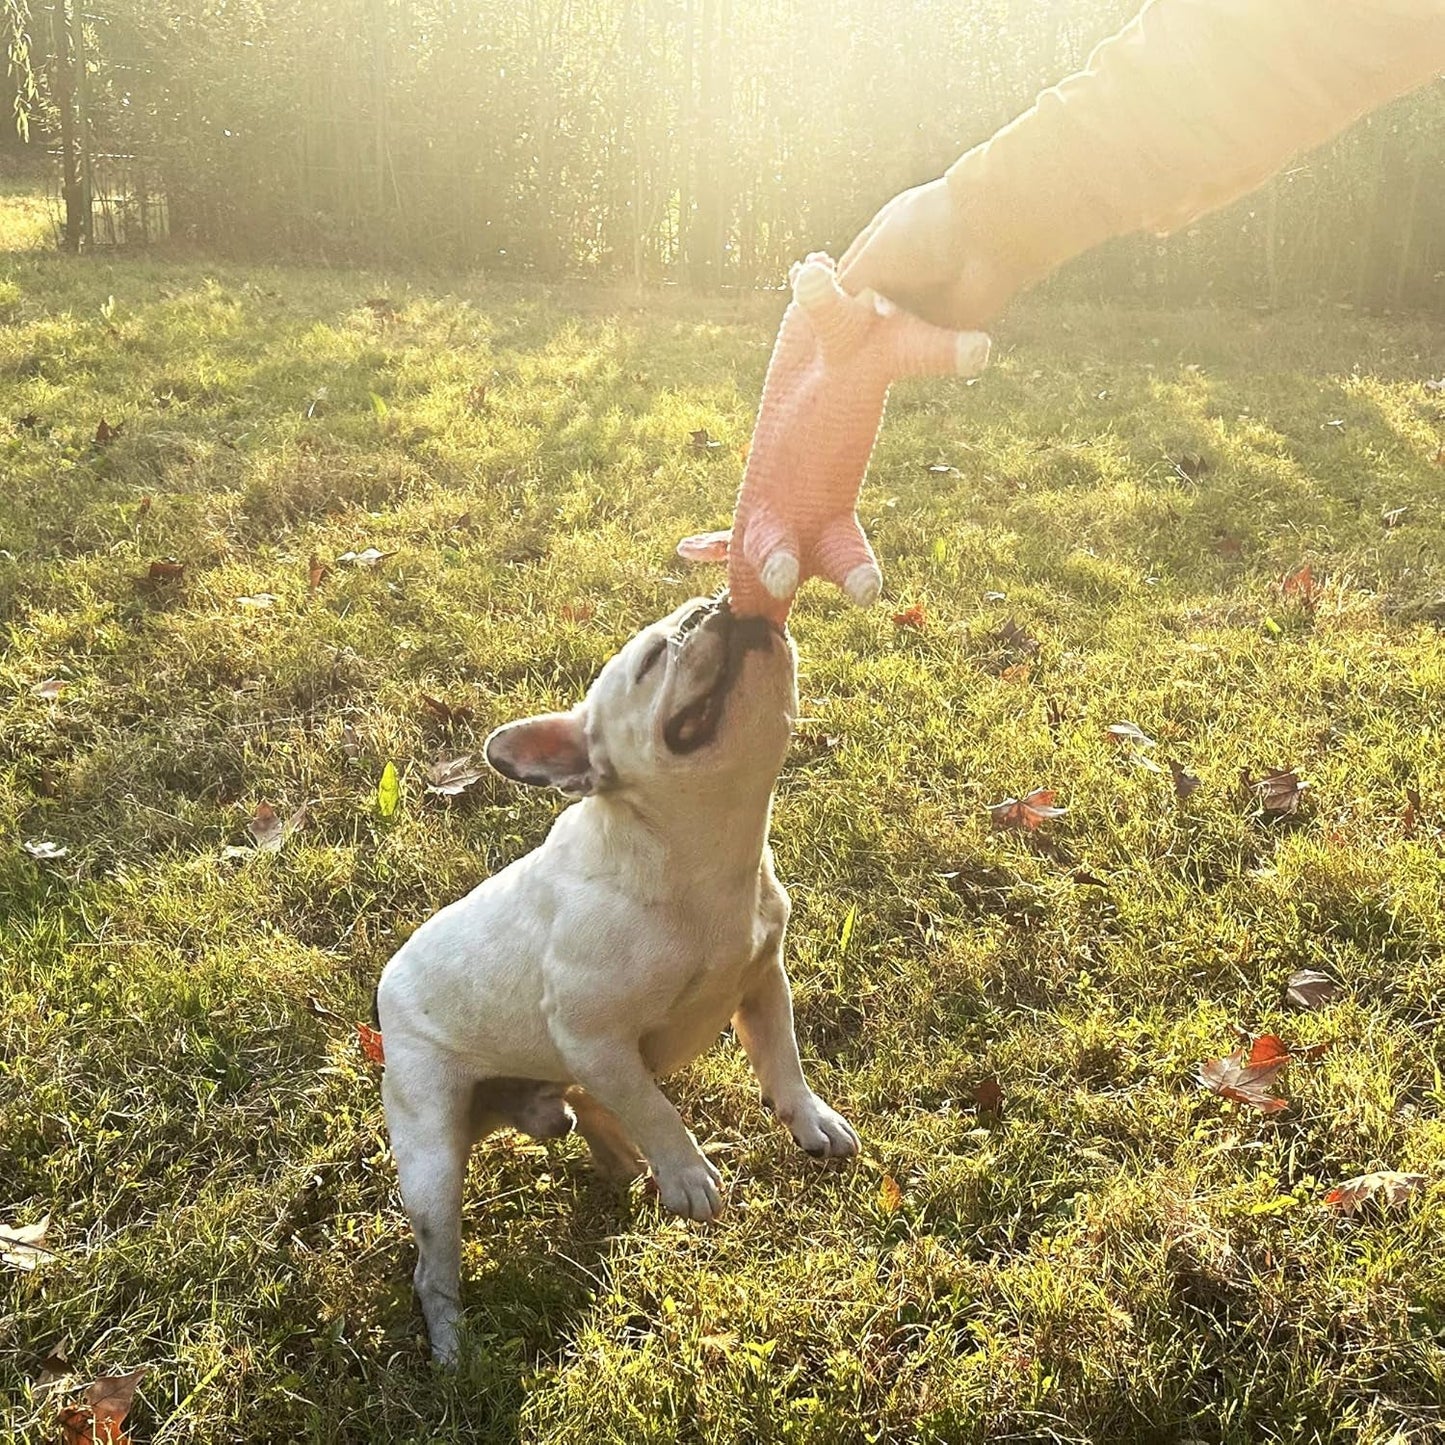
(549, 751)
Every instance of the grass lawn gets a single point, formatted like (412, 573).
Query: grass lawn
(1120, 1256)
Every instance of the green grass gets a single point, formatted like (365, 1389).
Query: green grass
(1121, 1258)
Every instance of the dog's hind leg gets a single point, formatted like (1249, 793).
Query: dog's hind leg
(614, 1155)
(428, 1114)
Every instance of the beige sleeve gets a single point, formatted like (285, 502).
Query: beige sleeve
(1193, 103)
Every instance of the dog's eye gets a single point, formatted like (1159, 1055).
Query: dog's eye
(650, 661)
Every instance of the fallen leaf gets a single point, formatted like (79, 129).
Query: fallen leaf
(369, 558)
(318, 1010)
(702, 442)
(371, 1045)
(451, 776)
(1016, 638)
(1279, 791)
(1335, 422)
(1191, 465)
(99, 1420)
(1247, 1074)
(912, 617)
(1309, 989)
(55, 1367)
(890, 1195)
(1301, 584)
(269, 829)
(445, 712)
(1228, 546)
(576, 612)
(29, 421)
(46, 851)
(1127, 734)
(1054, 710)
(50, 689)
(1027, 812)
(1016, 672)
(167, 569)
(1387, 1188)
(1413, 812)
(105, 433)
(988, 1097)
(22, 1246)
(942, 469)
(1184, 781)
(388, 791)
(259, 602)
(477, 397)
(350, 743)
(1091, 880)
(317, 572)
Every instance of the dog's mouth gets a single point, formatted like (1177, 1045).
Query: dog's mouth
(695, 724)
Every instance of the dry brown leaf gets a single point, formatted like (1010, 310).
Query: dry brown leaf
(167, 569)
(1247, 1075)
(98, 1421)
(1016, 672)
(1184, 781)
(317, 572)
(1279, 792)
(50, 689)
(269, 829)
(1309, 989)
(1301, 584)
(105, 433)
(1386, 1188)
(371, 1046)
(913, 618)
(371, 557)
(1016, 638)
(22, 1246)
(890, 1195)
(988, 1097)
(1027, 812)
(450, 776)
(702, 442)
(1127, 734)
(446, 713)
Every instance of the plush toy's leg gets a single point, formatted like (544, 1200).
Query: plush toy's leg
(844, 557)
(919, 349)
(771, 550)
(705, 547)
(840, 321)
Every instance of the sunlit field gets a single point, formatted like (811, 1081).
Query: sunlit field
(1223, 527)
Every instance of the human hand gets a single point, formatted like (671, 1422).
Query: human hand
(919, 253)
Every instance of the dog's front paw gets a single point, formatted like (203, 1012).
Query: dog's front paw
(693, 1190)
(822, 1132)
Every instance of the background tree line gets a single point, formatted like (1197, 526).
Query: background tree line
(703, 141)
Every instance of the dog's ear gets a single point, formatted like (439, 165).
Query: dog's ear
(549, 751)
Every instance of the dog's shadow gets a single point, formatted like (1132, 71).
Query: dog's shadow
(539, 1222)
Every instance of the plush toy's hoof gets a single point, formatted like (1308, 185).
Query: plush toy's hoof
(779, 575)
(863, 584)
(812, 284)
(971, 355)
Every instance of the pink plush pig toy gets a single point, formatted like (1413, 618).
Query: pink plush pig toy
(823, 397)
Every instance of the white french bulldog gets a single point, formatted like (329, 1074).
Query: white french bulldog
(561, 988)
